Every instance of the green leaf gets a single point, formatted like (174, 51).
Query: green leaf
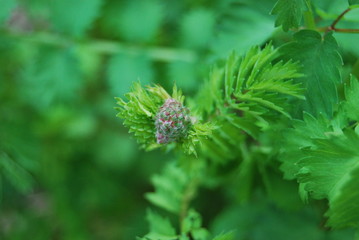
(321, 63)
(123, 70)
(15, 173)
(197, 28)
(330, 171)
(289, 13)
(344, 210)
(234, 31)
(351, 103)
(253, 81)
(192, 225)
(6, 7)
(160, 228)
(138, 21)
(353, 2)
(325, 165)
(139, 112)
(184, 74)
(225, 236)
(300, 137)
(74, 17)
(51, 77)
(170, 187)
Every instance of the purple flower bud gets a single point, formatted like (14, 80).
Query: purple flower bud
(172, 122)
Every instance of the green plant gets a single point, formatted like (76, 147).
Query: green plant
(266, 112)
(272, 108)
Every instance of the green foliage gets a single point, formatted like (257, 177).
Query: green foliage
(197, 28)
(271, 148)
(6, 7)
(140, 20)
(252, 85)
(353, 2)
(122, 69)
(15, 173)
(160, 228)
(139, 116)
(352, 101)
(257, 80)
(321, 69)
(74, 20)
(289, 13)
(51, 77)
(238, 21)
(170, 188)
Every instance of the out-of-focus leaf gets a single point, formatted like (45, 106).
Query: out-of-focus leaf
(259, 220)
(135, 21)
(160, 228)
(197, 28)
(225, 236)
(240, 28)
(123, 70)
(74, 17)
(353, 2)
(52, 77)
(170, 187)
(6, 6)
(184, 74)
(15, 173)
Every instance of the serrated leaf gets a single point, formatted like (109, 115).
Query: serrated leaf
(169, 188)
(6, 7)
(160, 227)
(289, 13)
(74, 17)
(325, 165)
(123, 70)
(300, 137)
(330, 171)
(192, 225)
(344, 206)
(321, 63)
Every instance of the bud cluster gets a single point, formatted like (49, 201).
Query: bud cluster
(172, 122)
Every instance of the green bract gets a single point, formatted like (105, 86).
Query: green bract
(157, 118)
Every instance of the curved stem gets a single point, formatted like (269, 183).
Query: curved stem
(332, 27)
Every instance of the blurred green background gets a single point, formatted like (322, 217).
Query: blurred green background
(69, 169)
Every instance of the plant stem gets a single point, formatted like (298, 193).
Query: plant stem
(187, 198)
(332, 27)
(308, 16)
(107, 47)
